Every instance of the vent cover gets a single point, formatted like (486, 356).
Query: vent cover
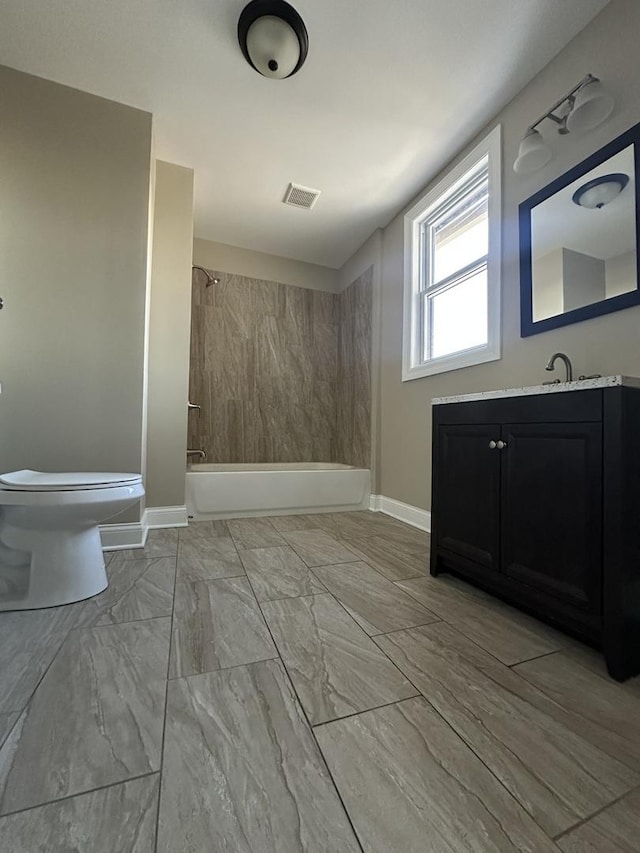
(299, 196)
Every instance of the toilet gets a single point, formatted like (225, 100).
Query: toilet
(50, 548)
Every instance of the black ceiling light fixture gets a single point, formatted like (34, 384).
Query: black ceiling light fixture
(273, 38)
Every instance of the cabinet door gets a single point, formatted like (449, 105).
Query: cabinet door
(552, 509)
(467, 493)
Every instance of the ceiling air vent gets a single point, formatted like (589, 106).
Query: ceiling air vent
(300, 196)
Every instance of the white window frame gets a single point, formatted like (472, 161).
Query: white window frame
(413, 365)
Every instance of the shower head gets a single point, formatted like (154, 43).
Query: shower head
(210, 278)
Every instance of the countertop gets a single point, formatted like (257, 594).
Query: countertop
(531, 390)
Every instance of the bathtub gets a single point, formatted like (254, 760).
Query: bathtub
(227, 491)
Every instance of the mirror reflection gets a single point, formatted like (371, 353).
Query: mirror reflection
(583, 240)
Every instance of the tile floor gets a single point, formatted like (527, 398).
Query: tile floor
(300, 683)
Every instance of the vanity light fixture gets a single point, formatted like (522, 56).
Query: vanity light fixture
(586, 106)
(273, 38)
(600, 191)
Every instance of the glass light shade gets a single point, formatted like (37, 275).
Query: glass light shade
(534, 153)
(592, 106)
(273, 46)
(599, 192)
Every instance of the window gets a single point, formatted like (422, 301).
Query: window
(452, 268)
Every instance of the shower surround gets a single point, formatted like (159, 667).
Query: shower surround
(353, 423)
(278, 371)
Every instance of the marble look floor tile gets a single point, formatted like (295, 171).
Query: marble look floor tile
(336, 524)
(254, 533)
(95, 719)
(505, 632)
(242, 771)
(284, 523)
(117, 819)
(150, 596)
(343, 525)
(366, 524)
(392, 561)
(389, 522)
(409, 540)
(29, 641)
(217, 624)
(614, 830)
(593, 659)
(127, 586)
(160, 543)
(606, 711)
(6, 724)
(316, 521)
(203, 530)
(317, 548)
(375, 603)
(335, 668)
(279, 573)
(410, 784)
(556, 775)
(204, 559)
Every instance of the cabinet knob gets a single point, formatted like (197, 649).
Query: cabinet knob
(501, 445)
(492, 445)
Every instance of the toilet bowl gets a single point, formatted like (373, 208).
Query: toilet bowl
(50, 548)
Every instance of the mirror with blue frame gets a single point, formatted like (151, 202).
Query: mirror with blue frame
(579, 238)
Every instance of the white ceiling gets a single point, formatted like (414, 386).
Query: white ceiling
(389, 92)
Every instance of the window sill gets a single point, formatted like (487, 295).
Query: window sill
(453, 362)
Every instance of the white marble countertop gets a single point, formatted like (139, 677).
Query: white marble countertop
(556, 388)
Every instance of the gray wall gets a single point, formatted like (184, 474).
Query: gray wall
(609, 344)
(582, 278)
(548, 289)
(169, 332)
(621, 273)
(74, 178)
(246, 262)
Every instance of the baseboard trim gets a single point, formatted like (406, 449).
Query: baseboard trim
(155, 517)
(117, 537)
(413, 515)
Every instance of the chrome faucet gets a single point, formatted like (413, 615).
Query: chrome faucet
(567, 363)
(201, 453)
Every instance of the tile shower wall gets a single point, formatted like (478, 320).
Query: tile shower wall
(281, 372)
(354, 374)
(264, 370)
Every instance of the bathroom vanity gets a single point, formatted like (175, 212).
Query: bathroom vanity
(536, 498)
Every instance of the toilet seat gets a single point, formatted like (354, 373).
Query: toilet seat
(39, 481)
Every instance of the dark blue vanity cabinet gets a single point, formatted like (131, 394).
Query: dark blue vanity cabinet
(536, 499)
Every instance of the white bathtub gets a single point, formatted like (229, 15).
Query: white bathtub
(225, 491)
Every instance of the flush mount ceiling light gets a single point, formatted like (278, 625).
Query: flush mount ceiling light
(600, 191)
(586, 106)
(273, 38)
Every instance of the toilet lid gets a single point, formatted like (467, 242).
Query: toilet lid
(38, 481)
